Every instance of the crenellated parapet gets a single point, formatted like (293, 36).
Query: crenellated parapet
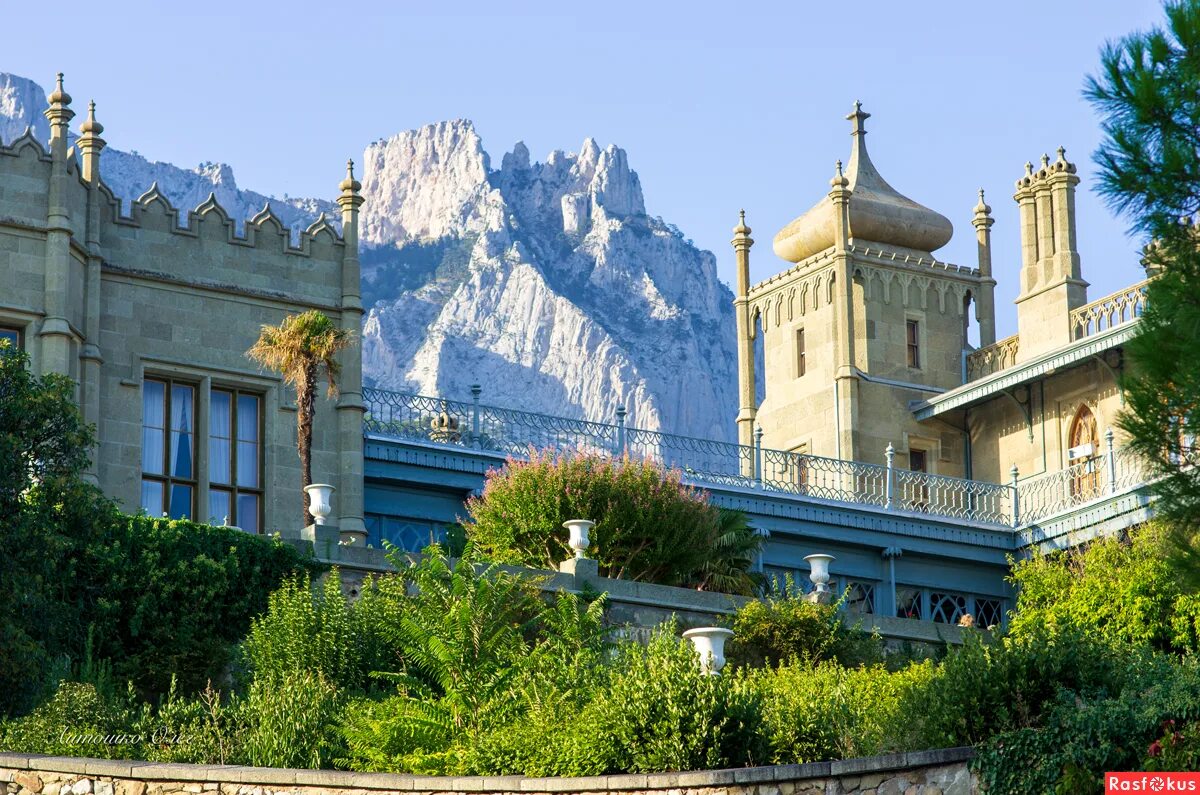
(154, 211)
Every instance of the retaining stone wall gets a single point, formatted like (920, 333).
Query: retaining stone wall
(941, 772)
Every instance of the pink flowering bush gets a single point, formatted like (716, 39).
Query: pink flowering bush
(650, 526)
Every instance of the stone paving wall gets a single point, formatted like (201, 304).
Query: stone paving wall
(942, 772)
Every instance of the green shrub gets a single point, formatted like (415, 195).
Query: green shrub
(291, 722)
(1119, 591)
(649, 525)
(460, 629)
(660, 712)
(76, 721)
(784, 625)
(986, 687)
(1080, 737)
(49, 513)
(197, 730)
(817, 712)
(318, 629)
(170, 598)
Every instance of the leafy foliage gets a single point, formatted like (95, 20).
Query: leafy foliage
(1147, 92)
(316, 629)
(171, 598)
(292, 722)
(47, 511)
(649, 525)
(659, 711)
(818, 711)
(77, 721)
(784, 625)
(1124, 593)
(460, 636)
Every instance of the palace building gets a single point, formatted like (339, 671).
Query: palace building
(883, 438)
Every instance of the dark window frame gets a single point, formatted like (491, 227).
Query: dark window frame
(166, 479)
(912, 339)
(801, 353)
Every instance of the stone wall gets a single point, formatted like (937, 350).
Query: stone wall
(941, 772)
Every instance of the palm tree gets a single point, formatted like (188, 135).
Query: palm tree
(298, 349)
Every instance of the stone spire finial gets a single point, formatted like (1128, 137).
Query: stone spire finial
(59, 96)
(982, 208)
(1062, 153)
(90, 126)
(741, 229)
(839, 180)
(350, 184)
(59, 114)
(857, 117)
(1045, 160)
(350, 199)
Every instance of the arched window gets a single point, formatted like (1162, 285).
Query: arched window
(1083, 456)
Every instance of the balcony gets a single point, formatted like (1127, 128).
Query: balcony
(707, 463)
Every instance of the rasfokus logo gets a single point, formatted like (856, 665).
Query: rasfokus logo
(1152, 782)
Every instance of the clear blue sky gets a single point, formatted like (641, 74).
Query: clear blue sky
(720, 105)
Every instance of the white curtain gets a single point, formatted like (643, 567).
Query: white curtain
(153, 401)
(247, 446)
(219, 454)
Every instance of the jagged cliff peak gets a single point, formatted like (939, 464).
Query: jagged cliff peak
(21, 104)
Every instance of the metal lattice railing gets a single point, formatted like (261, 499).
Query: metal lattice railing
(708, 462)
(1091, 479)
(974, 500)
(422, 418)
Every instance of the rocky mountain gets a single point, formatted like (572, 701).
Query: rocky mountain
(547, 283)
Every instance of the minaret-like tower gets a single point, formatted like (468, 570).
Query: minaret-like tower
(863, 322)
(1051, 285)
(350, 408)
(747, 399)
(985, 298)
(90, 144)
(56, 336)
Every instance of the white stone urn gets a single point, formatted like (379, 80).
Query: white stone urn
(578, 539)
(820, 571)
(320, 501)
(710, 647)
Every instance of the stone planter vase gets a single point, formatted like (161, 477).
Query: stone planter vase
(709, 643)
(820, 571)
(320, 501)
(578, 539)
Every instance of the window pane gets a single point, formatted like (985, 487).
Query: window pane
(247, 430)
(153, 408)
(181, 432)
(152, 498)
(247, 512)
(220, 427)
(181, 502)
(12, 337)
(247, 464)
(219, 512)
(908, 603)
